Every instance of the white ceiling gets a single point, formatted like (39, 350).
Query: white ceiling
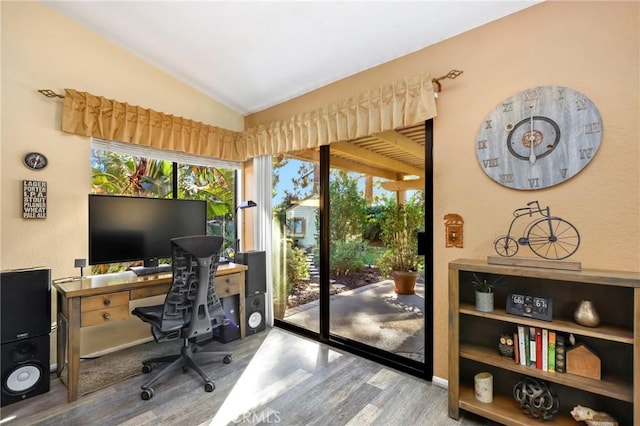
(253, 55)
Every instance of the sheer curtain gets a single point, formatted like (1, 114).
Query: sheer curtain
(262, 183)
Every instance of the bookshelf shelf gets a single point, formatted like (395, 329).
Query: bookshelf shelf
(612, 387)
(615, 334)
(473, 337)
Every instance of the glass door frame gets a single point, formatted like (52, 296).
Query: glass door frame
(416, 368)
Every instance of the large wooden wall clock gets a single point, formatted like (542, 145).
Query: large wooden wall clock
(539, 137)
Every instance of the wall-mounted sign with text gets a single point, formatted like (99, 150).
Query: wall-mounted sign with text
(34, 199)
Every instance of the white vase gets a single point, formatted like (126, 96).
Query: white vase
(484, 302)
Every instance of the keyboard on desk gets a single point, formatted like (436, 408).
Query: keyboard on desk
(151, 270)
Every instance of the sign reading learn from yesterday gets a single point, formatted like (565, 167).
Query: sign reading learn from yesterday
(34, 199)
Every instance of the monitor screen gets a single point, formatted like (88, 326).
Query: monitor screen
(124, 229)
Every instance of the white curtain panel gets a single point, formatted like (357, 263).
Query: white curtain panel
(262, 178)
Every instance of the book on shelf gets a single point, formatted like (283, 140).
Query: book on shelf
(516, 347)
(561, 360)
(532, 346)
(523, 343)
(538, 333)
(545, 349)
(552, 351)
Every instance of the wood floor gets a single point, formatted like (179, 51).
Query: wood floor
(276, 377)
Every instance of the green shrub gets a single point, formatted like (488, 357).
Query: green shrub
(347, 256)
(296, 267)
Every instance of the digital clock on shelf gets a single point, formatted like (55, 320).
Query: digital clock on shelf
(530, 306)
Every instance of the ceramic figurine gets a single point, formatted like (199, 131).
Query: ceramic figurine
(592, 417)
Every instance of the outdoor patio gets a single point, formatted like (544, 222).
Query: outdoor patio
(374, 315)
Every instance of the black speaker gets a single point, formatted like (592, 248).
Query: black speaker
(25, 304)
(231, 331)
(25, 369)
(256, 275)
(254, 309)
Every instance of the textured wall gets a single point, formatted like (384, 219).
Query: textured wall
(41, 49)
(591, 47)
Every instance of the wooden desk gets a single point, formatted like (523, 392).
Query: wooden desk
(105, 298)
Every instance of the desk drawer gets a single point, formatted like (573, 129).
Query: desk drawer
(102, 316)
(227, 285)
(105, 301)
(104, 308)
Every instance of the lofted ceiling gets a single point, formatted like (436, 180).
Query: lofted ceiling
(251, 55)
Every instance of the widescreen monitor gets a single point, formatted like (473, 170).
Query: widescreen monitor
(125, 229)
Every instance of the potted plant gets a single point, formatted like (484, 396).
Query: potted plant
(399, 235)
(484, 291)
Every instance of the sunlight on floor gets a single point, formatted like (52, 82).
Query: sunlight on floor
(248, 400)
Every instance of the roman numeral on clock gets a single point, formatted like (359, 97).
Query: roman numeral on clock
(491, 162)
(534, 183)
(586, 153)
(482, 144)
(506, 178)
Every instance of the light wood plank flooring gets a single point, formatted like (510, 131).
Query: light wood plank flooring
(276, 377)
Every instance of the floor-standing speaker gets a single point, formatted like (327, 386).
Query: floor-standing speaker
(231, 331)
(25, 368)
(254, 309)
(256, 275)
(25, 317)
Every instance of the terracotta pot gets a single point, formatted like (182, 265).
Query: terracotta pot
(405, 281)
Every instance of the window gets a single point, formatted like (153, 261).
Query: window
(120, 169)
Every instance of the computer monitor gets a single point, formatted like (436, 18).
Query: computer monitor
(125, 229)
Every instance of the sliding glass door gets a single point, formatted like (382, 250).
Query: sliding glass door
(348, 217)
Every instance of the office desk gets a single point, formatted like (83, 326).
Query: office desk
(105, 298)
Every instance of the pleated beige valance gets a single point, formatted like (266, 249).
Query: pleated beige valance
(89, 115)
(392, 106)
(396, 105)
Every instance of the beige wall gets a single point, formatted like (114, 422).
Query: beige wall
(591, 47)
(41, 49)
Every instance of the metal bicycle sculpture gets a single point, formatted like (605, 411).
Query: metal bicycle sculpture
(549, 237)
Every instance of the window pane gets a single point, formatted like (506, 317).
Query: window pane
(114, 173)
(117, 173)
(217, 187)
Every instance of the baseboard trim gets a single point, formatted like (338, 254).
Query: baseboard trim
(440, 382)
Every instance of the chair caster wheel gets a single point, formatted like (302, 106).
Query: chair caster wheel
(146, 394)
(226, 359)
(209, 387)
(146, 368)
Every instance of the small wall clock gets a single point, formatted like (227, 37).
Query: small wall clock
(539, 137)
(35, 161)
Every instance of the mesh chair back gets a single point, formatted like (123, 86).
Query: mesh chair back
(195, 260)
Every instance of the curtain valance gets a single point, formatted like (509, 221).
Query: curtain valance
(396, 105)
(89, 115)
(392, 106)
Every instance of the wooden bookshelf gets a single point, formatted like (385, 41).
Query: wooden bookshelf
(474, 347)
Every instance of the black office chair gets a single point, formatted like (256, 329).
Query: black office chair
(191, 310)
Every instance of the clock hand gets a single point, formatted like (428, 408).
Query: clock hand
(532, 138)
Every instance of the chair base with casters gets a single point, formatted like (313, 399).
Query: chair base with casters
(191, 310)
(189, 354)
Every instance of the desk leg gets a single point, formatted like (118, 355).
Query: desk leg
(73, 348)
(243, 320)
(61, 358)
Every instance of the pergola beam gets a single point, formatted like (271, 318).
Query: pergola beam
(404, 185)
(348, 165)
(374, 158)
(402, 142)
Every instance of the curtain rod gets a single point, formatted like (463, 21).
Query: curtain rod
(451, 74)
(50, 93)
